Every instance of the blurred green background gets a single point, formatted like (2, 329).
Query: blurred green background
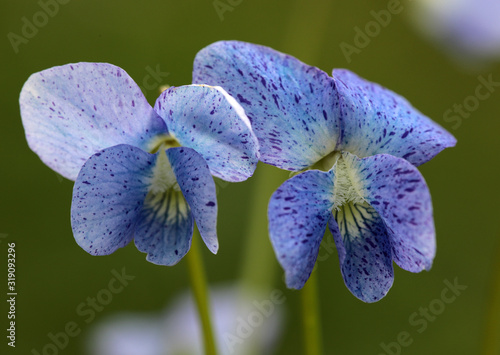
(54, 275)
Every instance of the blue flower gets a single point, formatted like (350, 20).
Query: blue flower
(354, 145)
(141, 173)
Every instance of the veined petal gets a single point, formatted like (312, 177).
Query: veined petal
(73, 111)
(399, 194)
(375, 120)
(298, 214)
(364, 251)
(165, 227)
(198, 188)
(293, 107)
(211, 122)
(108, 196)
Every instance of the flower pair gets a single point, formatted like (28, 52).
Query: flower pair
(140, 173)
(145, 173)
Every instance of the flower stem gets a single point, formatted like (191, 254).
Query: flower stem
(200, 291)
(259, 263)
(310, 316)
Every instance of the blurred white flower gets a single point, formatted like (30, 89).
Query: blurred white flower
(470, 28)
(244, 323)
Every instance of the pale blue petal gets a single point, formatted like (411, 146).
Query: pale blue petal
(293, 107)
(108, 196)
(75, 110)
(298, 214)
(209, 121)
(165, 228)
(375, 120)
(198, 188)
(364, 251)
(399, 194)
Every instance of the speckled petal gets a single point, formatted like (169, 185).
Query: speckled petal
(211, 122)
(298, 214)
(376, 120)
(293, 107)
(364, 251)
(165, 228)
(198, 188)
(399, 194)
(108, 196)
(75, 110)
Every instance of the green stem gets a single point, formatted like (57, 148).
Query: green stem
(200, 291)
(260, 265)
(310, 316)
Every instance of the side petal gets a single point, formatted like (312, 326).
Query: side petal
(293, 107)
(108, 196)
(298, 214)
(376, 120)
(73, 111)
(198, 188)
(399, 194)
(364, 251)
(211, 122)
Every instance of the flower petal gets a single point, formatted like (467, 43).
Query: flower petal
(165, 228)
(198, 188)
(211, 122)
(399, 194)
(376, 120)
(108, 196)
(293, 107)
(298, 214)
(364, 251)
(75, 110)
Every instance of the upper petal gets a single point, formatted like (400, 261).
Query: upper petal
(211, 122)
(298, 214)
(198, 188)
(293, 107)
(399, 194)
(364, 251)
(376, 120)
(108, 196)
(73, 111)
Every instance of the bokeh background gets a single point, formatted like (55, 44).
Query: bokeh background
(54, 275)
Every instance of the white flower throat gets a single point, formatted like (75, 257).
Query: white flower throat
(347, 185)
(163, 178)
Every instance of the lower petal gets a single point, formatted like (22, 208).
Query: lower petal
(165, 228)
(108, 196)
(364, 251)
(298, 214)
